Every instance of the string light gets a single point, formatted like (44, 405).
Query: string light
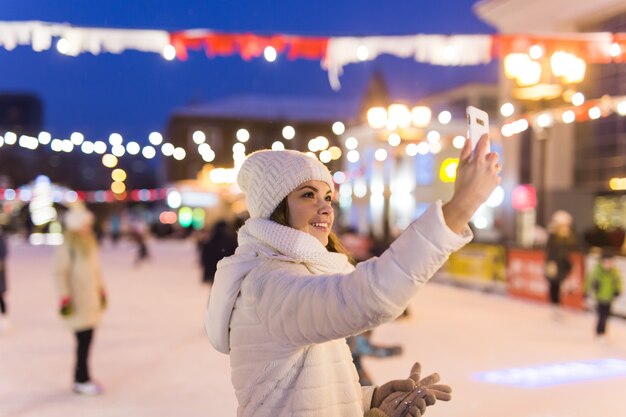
(270, 54)
(10, 138)
(148, 152)
(507, 109)
(169, 52)
(351, 143)
(380, 154)
(594, 112)
(109, 160)
(115, 139)
(155, 138)
(133, 148)
(458, 142)
(362, 53)
(44, 137)
(167, 149)
(63, 46)
(338, 128)
(353, 156)
(444, 117)
(325, 156)
(394, 139)
(87, 147)
(243, 135)
(615, 50)
(198, 137)
(568, 116)
(77, 138)
(578, 99)
(289, 132)
(535, 52)
(179, 154)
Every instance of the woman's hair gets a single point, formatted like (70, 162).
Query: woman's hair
(281, 216)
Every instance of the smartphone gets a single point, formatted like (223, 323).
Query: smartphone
(477, 124)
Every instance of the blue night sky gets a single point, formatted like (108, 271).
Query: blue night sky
(134, 93)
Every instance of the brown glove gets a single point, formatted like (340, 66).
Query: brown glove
(411, 396)
(398, 385)
(440, 391)
(412, 403)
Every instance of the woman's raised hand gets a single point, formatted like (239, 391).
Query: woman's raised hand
(477, 176)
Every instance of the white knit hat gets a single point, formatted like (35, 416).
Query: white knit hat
(267, 177)
(76, 217)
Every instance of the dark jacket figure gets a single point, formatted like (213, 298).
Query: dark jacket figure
(3, 277)
(139, 235)
(561, 242)
(222, 243)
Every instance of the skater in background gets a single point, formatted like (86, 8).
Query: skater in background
(221, 242)
(561, 243)
(139, 235)
(604, 283)
(82, 295)
(4, 319)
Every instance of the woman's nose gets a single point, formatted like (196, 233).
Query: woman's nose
(325, 207)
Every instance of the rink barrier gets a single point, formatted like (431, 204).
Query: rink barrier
(519, 273)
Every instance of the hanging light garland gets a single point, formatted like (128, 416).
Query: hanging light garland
(584, 111)
(333, 52)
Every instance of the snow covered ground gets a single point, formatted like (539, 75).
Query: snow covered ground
(153, 359)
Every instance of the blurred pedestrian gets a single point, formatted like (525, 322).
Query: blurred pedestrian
(605, 282)
(284, 303)
(81, 290)
(139, 235)
(561, 243)
(115, 228)
(4, 318)
(220, 243)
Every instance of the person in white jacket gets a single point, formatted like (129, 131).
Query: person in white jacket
(81, 290)
(284, 303)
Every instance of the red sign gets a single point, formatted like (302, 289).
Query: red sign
(526, 277)
(524, 197)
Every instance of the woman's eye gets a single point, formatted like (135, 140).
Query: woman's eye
(329, 198)
(309, 195)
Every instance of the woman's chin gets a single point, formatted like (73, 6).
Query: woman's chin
(321, 236)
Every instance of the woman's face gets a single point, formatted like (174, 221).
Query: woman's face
(310, 209)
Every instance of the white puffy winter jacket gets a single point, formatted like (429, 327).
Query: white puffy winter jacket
(286, 332)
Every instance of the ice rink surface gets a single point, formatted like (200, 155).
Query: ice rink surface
(153, 359)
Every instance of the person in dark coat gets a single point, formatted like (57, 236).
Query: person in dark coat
(220, 244)
(561, 242)
(3, 281)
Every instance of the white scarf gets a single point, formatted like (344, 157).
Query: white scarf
(260, 240)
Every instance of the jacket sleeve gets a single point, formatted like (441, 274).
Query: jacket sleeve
(368, 394)
(62, 266)
(300, 309)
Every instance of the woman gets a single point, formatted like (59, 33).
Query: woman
(81, 290)
(284, 303)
